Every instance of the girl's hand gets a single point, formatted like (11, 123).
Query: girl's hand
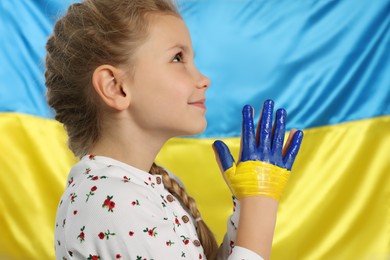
(264, 165)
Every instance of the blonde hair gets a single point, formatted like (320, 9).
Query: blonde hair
(90, 34)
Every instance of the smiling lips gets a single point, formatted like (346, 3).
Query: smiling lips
(199, 103)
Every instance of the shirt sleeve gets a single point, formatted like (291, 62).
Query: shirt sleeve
(228, 250)
(242, 253)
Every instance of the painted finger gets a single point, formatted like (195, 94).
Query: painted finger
(248, 139)
(265, 130)
(223, 156)
(293, 149)
(278, 137)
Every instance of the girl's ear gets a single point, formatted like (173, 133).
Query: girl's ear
(108, 83)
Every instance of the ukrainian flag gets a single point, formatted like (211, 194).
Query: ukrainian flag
(326, 62)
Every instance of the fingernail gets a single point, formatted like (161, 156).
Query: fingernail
(269, 102)
(217, 144)
(247, 110)
(300, 133)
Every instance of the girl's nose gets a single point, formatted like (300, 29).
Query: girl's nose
(203, 81)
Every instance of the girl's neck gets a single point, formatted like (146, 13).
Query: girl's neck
(136, 149)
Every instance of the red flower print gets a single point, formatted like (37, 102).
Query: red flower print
(151, 232)
(70, 181)
(73, 196)
(163, 198)
(231, 245)
(108, 203)
(95, 177)
(151, 182)
(131, 233)
(200, 256)
(81, 236)
(105, 235)
(118, 256)
(92, 157)
(91, 192)
(126, 179)
(177, 222)
(101, 235)
(93, 257)
(185, 240)
(135, 203)
(169, 243)
(75, 212)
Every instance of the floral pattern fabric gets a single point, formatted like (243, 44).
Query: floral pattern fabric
(111, 210)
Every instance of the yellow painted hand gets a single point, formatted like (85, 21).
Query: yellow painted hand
(256, 178)
(264, 165)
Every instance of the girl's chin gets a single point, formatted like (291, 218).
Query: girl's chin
(195, 130)
(201, 128)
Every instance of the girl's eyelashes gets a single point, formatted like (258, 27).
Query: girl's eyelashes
(178, 57)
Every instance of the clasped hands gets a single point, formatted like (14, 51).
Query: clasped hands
(264, 165)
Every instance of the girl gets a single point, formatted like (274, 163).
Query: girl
(122, 80)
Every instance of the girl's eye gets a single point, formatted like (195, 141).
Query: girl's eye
(178, 57)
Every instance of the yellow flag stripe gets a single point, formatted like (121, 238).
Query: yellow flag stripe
(34, 164)
(336, 205)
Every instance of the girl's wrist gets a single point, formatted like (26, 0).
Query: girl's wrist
(258, 202)
(257, 224)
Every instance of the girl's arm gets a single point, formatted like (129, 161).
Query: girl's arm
(257, 224)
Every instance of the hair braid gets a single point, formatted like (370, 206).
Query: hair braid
(205, 235)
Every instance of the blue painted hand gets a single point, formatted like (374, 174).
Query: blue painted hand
(264, 165)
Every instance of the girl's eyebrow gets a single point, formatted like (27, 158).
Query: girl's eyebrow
(185, 48)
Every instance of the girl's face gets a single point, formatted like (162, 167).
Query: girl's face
(167, 91)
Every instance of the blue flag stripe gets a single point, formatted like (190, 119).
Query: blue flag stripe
(325, 62)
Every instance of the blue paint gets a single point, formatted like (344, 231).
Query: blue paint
(267, 144)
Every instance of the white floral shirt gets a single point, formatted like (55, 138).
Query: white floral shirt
(111, 210)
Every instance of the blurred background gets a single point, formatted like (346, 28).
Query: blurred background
(326, 62)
